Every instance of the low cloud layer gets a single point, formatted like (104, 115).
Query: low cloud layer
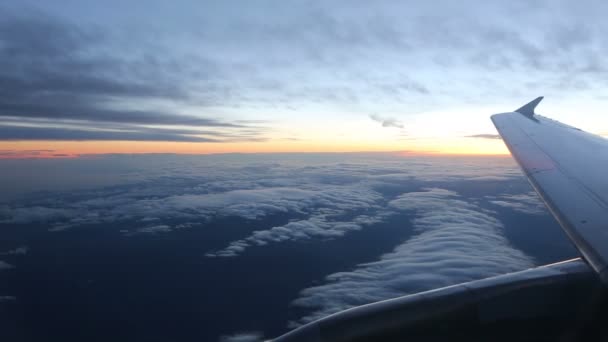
(22, 250)
(5, 266)
(319, 225)
(451, 203)
(330, 197)
(326, 197)
(243, 337)
(528, 203)
(455, 241)
(7, 299)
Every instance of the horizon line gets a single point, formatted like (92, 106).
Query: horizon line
(28, 155)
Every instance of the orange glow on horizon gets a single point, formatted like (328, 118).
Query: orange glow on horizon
(67, 149)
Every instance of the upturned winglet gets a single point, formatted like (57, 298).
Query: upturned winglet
(528, 109)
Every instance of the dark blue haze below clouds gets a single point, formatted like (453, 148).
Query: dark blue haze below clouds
(193, 248)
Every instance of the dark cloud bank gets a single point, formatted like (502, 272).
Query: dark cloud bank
(58, 83)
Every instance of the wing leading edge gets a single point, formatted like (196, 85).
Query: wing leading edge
(567, 167)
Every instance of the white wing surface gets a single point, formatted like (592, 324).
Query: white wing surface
(569, 169)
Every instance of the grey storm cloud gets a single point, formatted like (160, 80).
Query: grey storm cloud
(385, 121)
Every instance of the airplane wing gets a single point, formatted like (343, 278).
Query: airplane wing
(569, 169)
(538, 304)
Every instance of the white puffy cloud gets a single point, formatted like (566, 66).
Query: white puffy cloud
(7, 299)
(316, 226)
(330, 194)
(162, 228)
(249, 204)
(527, 203)
(33, 214)
(251, 336)
(324, 196)
(328, 205)
(455, 241)
(22, 250)
(5, 266)
(437, 169)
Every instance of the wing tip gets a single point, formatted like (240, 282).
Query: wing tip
(528, 108)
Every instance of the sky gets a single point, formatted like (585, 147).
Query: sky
(90, 77)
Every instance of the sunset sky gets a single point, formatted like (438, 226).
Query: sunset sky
(90, 77)
(228, 170)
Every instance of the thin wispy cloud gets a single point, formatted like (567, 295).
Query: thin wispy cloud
(243, 337)
(7, 299)
(22, 250)
(317, 226)
(5, 266)
(385, 121)
(137, 134)
(528, 203)
(23, 154)
(484, 136)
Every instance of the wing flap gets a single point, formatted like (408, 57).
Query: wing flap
(568, 168)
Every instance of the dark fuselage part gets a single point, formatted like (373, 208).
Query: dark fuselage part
(559, 302)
